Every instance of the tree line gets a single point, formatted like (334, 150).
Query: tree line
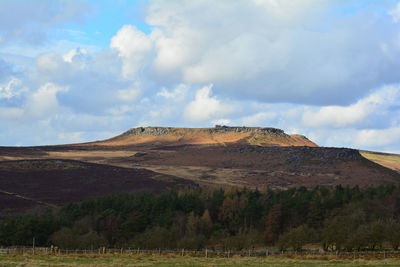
(338, 218)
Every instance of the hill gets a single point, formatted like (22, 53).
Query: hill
(219, 135)
(158, 158)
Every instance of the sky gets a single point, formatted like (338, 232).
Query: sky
(76, 71)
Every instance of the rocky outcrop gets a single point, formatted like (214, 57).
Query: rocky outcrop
(156, 131)
(244, 129)
(160, 131)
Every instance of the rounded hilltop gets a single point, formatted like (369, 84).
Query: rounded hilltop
(218, 135)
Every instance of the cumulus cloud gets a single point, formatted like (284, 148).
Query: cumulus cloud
(95, 80)
(44, 101)
(11, 88)
(40, 104)
(259, 46)
(131, 45)
(74, 53)
(205, 107)
(341, 116)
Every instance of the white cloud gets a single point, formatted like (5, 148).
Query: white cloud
(128, 95)
(74, 53)
(43, 102)
(11, 113)
(221, 122)
(132, 46)
(177, 94)
(287, 10)
(258, 119)
(11, 88)
(395, 13)
(70, 138)
(339, 116)
(49, 62)
(205, 107)
(40, 104)
(263, 45)
(378, 137)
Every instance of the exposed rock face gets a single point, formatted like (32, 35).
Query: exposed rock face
(243, 129)
(160, 131)
(157, 131)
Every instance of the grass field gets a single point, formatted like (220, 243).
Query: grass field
(148, 260)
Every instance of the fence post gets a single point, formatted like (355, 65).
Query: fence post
(183, 252)
(206, 253)
(266, 253)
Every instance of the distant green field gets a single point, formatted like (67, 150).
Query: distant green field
(148, 260)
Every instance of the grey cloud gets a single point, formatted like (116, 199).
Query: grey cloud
(296, 53)
(29, 21)
(93, 80)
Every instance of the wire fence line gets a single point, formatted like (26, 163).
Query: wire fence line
(199, 253)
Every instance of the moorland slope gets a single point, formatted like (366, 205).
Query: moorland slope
(158, 158)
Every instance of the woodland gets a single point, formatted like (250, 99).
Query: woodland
(331, 219)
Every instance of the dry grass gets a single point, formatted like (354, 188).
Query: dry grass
(155, 260)
(277, 140)
(391, 161)
(199, 137)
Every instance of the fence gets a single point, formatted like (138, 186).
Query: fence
(200, 253)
